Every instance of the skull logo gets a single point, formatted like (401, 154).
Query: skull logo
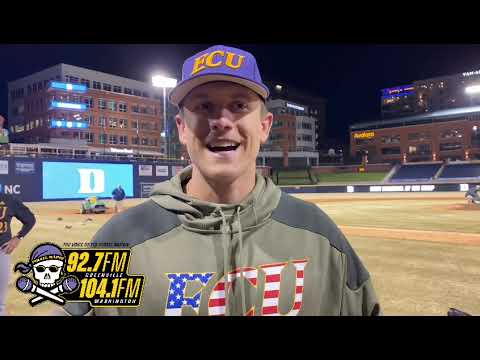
(48, 272)
(46, 262)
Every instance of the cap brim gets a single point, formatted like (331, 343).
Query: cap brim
(181, 90)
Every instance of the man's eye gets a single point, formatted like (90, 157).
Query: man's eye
(204, 107)
(240, 106)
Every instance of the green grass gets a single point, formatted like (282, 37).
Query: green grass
(300, 177)
(351, 177)
(297, 177)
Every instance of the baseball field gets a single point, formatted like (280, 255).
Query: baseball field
(422, 249)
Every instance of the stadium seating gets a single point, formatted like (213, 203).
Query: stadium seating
(460, 171)
(423, 172)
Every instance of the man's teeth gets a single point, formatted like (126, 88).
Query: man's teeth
(223, 144)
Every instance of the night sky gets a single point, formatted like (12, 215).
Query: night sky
(348, 76)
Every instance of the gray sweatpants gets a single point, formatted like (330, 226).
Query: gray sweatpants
(4, 277)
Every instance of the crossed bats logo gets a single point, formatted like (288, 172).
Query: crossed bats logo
(49, 281)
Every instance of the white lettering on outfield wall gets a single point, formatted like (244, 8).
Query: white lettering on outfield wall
(98, 180)
(12, 189)
(402, 188)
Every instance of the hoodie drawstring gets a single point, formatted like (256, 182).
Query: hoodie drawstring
(242, 263)
(226, 252)
(226, 258)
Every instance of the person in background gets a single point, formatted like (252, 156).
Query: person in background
(11, 207)
(118, 194)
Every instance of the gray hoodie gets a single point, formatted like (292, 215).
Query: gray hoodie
(271, 254)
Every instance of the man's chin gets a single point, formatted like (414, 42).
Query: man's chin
(222, 173)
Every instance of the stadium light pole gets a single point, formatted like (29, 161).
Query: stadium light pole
(164, 83)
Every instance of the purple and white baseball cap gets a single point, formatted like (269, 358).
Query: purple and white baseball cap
(219, 63)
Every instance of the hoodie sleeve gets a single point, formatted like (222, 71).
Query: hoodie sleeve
(361, 301)
(25, 216)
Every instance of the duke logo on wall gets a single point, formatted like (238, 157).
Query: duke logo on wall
(80, 180)
(92, 181)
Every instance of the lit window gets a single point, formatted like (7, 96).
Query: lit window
(112, 105)
(123, 123)
(112, 122)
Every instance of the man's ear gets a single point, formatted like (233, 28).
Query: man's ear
(181, 127)
(266, 125)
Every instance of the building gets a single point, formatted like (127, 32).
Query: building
(298, 125)
(430, 95)
(430, 119)
(398, 101)
(441, 135)
(74, 105)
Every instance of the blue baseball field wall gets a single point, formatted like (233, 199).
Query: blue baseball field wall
(375, 188)
(34, 179)
(42, 179)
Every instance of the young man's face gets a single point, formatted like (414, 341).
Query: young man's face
(222, 125)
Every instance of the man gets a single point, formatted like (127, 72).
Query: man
(473, 194)
(118, 194)
(219, 239)
(11, 207)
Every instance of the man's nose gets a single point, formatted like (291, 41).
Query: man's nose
(221, 121)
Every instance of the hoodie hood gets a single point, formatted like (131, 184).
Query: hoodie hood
(203, 216)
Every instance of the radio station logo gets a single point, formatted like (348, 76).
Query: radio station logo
(49, 281)
(97, 276)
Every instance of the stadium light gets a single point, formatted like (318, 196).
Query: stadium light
(475, 128)
(164, 82)
(475, 89)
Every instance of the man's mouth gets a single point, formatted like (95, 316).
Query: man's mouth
(223, 146)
